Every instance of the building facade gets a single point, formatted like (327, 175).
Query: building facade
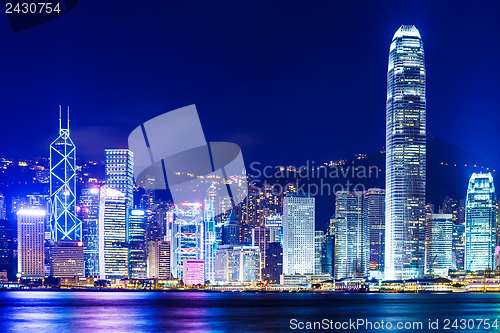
(405, 156)
(137, 252)
(438, 244)
(351, 242)
(89, 215)
(480, 223)
(374, 215)
(30, 243)
(298, 234)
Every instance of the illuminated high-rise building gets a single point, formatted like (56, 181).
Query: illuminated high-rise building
(374, 214)
(438, 243)
(64, 224)
(298, 234)
(246, 265)
(30, 242)
(137, 259)
(480, 220)
(159, 257)
(113, 246)
(210, 234)
(351, 246)
(119, 164)
(88, 213)
(187, 236)
(231, 230)
(319, 239)
(405, 156)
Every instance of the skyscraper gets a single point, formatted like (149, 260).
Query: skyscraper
(137, 244)
(438, 243)
(405, 156)
(480, 219)
(351, 246)
(298, 234)
(30, 240)
(119, 165)
(187, 235)
(319, 238)
(113, 246)
(210, 233)
(374, 214)
(89, 215)
(64, 224)
(231, 230)
(159, 260)
(246, 263)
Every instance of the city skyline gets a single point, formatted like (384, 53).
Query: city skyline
(98, 121)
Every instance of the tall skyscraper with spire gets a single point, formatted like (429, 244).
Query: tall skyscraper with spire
(405, 156)
(64, 225)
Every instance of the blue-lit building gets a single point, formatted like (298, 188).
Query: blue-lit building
(299, 213)
(113, 227)
(137, 260)
(209, 234)
(351, 242)
(8, 262)
(88, 213)
(187, 235)
(439, 244)
(480, 223)
(405, 156)
(231, 230)
(119, 164)
(64, 223)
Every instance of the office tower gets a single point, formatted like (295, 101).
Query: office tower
(328, 255)
(246, 263)
(88, 213)
(193, 272)
(458, 246)
(187, 236)
(137, 244)
(438, 244)
(113, 246)
(210, 233)
(30, 240)
(480, 219)
(405, 156)
(224, 263)
(8, 249)
(273, 264)
(275, 226)
(261, 237)
(64, 222)
(319, 238)
(67, 259)
(374, 215)
(259, 203)
(159, 260)
(3, 212)
(231, 230)
(351, 246)
(119, 164)
(298, 234)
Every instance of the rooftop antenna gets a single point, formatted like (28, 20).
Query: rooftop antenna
(68, 120)
(59, 118)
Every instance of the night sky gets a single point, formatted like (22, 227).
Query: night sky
(286, 80)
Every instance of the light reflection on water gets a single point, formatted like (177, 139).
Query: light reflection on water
(37, 311)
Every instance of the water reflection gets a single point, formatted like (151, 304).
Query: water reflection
(33, 311)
